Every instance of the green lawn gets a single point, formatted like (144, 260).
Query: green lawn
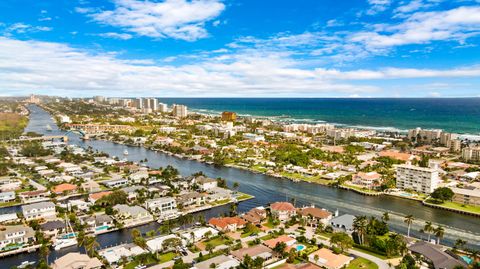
(266, 237)
(371, 253)
(133, 264)
(165, 257)
(221, 202)
(312, 179)
(361, 263)
(243, 196)
(217, 241)
(457, 206)
(360, 188)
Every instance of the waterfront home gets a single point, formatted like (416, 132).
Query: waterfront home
(282, 210)
(220, 262)
(254, 252)
(64, 188)
(13, 237)
(6, 197)
(98, 223)
(468, 195)
(197, 234)
(205, 183)
(9, 218)
(434, 255)
(90, 186)
(42, 210)
(75, 260)
(138, 176)
(131, 215)
(156, 244)
(324, 257)
(219, 194)
(368, 180)
(94, 197)
(8, 184)
(272, 243)
(162, 190)
(164, 207)
(343, 223)
(80, 204)
(115, 183)
(192, 198)
(53, 228)
(314, 215)
(34, 196)
(255, 215)
(113, 255)
(227, 224)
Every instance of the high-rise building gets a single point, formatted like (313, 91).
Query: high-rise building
(99, 99)
(419, 179)
(471, 154)
(153, 104)
(180, 111)
(455, 145)
(162, 107)
(229, 116)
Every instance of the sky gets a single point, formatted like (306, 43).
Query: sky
(240, 48)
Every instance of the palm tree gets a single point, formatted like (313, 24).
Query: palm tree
(360, 224)
(408, 220)
(90, 245)
(385, 217)
(428, 228)
(460, 244)
(439, 233)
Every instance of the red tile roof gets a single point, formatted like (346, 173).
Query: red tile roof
(224, 222)
(64, 187)
(282, 206)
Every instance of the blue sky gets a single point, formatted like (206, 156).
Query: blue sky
(214, 48)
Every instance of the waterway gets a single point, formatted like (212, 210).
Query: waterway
(266, 189)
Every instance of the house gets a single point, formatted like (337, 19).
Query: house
(115, 183)
(282, 210)
(42, 210)
(34, 196)
(227, 224)
(368, 180)
(343, 223)
(98, 223)
(64, 188)
(220, 262)
(132, 215)
(6, 197)
(254, 252)
(12, 237)
(93, 197)
(8, 184)
(272, 243)
(434, 255)
(197, 234)
(113, 255)
(53, 228)
(132, 191)
(164, 207)
(9, 218)
(75, 260)
(255, 215)
(156, 244)
(138, 176)
(205, 184)
(314, 215)
(91, 186)
(192, 198)
(324, 257)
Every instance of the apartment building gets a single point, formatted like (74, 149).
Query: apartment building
(180, 111)
(471, 154)
(420, 179)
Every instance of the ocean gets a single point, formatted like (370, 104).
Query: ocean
(459, 115)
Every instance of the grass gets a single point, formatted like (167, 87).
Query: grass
(312, 179)
(383, 257)
(457, 206)
(221, 202)
(266, 237)
(217, 241)
(133, 264)
(12, 125)
(7, 204)
(243, 196)
(165, 257)
(360, 188)
(361, 263)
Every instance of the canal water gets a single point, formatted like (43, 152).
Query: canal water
(266, 189)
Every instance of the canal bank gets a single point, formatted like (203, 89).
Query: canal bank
(267, 189)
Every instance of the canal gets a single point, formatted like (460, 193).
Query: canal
(266, 189)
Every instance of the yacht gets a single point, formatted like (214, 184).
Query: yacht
(49, 128)
(25, 264)
(70, 239)
(125, 152)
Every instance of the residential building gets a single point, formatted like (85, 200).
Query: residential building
(75, 260)
(229, 116)
(180, 111)
(64, 188)
(343, 223)
(6, 197)
(156, 244)
(220, 262)
(368, 180)
(314, 215)
(227, 224)
(282, 210)
(164, 207)
(9, 218)
(132, 215)
(34, 196)
(15, 236)
(255, 215)
(471, 154)
(254, 252)
(205, 183)
(8, 184)
(272, 243)
(53, 228)
(253, 137)
(42, 210)
(162, 107)
(324, 257)
(435, 255)
(416, 178)
(115, 183)
(467, 196)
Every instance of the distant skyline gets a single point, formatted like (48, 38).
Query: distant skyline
(214, 48)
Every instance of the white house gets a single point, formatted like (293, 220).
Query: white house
(40, 210)
(164, 207)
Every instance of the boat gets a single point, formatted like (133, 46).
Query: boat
(25, 264)
(49, 128)
(70, 239)
(125, 152)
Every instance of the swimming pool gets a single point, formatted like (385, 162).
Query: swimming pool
(300, 247)
(467, 259)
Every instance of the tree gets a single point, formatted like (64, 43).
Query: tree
(460, 244)
(171, 243)
(409, 220)
(428, 228)
(341, 240)
(138, 239)
(360, 224)
(209, 247)
(442, 194)
(280, 248)
(439, 233)
(385, 217)
(90, 245)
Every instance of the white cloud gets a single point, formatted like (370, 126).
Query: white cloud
(178, 19)
(377, 6)
(122, 36)
(22, 28)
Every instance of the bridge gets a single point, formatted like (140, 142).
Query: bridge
(64, 138)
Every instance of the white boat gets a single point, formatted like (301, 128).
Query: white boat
(49, 128)
(64, 243)
(125, 152)
(25, 264)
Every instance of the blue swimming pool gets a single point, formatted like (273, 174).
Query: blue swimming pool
(300, 247)
(467, 259)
